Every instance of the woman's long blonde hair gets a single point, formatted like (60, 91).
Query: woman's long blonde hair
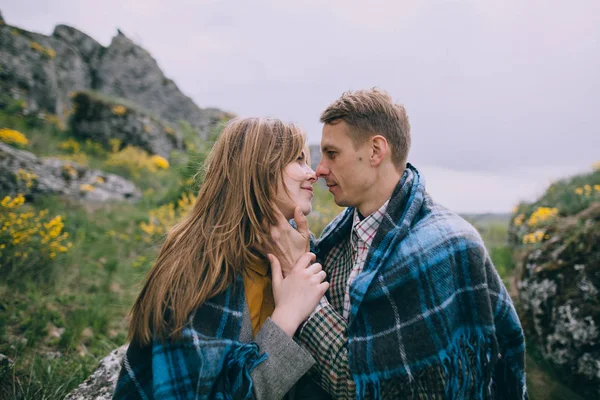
(228, 223)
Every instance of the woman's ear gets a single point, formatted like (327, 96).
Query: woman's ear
(379, 149)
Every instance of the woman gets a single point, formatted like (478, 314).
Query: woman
(200, 327)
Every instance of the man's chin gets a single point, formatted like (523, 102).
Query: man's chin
(340, 202)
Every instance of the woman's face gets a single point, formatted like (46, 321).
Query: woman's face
(298, 178)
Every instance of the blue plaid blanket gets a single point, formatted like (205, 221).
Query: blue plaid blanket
(208, 362)
(429, 296)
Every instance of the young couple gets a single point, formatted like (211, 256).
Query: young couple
(397, 299)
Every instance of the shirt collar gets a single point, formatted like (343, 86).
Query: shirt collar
(365, 229)
(260, 267)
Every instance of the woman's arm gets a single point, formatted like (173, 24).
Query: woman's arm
(287, 362)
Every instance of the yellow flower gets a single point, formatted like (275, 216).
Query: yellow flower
(597, 188)
(70, 145)
(160, 162)
(169, 130)
(542, 214)
(119, 110)
(115, 145)
(11, 204)
(11, 136)
(578, 191)
(518, 221)
(50, 52)
(99, 180)
(596, 165)
(37, 47)
(86, 188)
(69, 170)
(27, 177)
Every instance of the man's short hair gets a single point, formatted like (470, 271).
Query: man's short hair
(371, 112)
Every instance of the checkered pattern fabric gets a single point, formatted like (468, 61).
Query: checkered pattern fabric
(363, 232)
(208, 362)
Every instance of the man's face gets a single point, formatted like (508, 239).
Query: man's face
(346, 169)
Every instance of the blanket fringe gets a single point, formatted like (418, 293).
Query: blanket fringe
(466, 367)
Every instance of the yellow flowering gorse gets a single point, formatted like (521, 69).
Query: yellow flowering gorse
(164, 218)
(160, 162)
(518, 220)
(119, 110)
(535, 237)
(27, 178)
(542, 214)
(587, 190)
(70, 145)
(44, 50)
(27, 236)
(11, 136)
(135, 160)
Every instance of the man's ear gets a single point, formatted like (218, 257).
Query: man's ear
(379, 150)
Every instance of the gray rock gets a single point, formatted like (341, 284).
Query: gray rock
(127, 70)
(558, 297)
(101, 118)
(54, 176)
(88, 48)
(41, 70)
(101, 384)
(45, 70)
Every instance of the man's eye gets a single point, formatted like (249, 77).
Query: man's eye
(331, 154)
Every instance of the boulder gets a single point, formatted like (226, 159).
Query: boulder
(101, 384)
(558, 296)
(23, 172)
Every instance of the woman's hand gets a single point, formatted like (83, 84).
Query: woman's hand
(297, 294)
(290, 244)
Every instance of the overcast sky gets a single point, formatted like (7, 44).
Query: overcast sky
(503, 96)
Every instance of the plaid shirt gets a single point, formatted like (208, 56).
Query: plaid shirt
(362, 235)
(343, 264)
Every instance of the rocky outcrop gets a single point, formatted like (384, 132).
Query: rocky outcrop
(101, 384)
(40, 70)
(126, 70)
(88, 48)
(558, 295)
(23, 172)
(103, 119)
(44, 71)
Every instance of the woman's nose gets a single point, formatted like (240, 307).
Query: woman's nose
(312, 176)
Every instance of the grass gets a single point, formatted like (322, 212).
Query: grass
(57, 328)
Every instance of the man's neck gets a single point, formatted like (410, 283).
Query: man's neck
(380, 191)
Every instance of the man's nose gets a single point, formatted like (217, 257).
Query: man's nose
(322, 171)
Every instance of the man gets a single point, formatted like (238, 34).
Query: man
(415, 307)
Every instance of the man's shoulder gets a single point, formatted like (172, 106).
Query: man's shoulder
(440, 223)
